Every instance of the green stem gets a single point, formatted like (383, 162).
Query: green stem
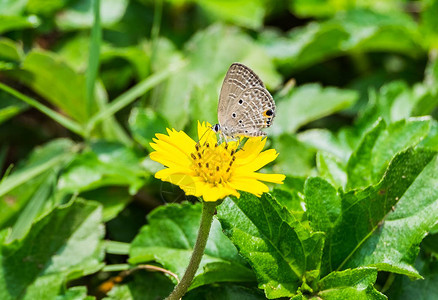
(67, 123)
(93, 57)
(388, 282)
(131, 95)
(208, 209)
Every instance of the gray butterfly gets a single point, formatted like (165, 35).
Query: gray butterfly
(245, 106)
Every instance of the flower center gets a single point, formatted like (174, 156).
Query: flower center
(214, 163)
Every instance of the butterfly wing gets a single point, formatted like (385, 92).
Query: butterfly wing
(245, 106)
(254, 110)
(238, 78)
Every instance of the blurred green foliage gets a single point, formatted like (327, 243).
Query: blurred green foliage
(86, 84)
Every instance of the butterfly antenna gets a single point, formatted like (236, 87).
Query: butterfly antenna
(202, 136)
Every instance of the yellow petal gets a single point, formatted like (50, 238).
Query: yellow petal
(206, 134)
(259, 161)
(215, 193)
(249, 185)
(250, 150)
(201, 187)
(167, 172)
(178, 139)
(169, 161)
(173, 149)
(274, 178)
(184, 181)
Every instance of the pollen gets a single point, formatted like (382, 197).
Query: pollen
(214, 165)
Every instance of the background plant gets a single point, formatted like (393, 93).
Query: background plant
(85, 85)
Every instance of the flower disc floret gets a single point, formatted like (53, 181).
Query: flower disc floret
(214, 163)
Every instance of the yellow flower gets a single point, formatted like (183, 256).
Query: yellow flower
(210, 170)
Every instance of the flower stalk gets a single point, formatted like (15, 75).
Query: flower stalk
(213, 171)
(208, 210)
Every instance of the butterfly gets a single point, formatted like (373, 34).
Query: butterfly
(245, 105)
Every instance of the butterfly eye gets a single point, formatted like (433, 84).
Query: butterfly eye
(216, 127)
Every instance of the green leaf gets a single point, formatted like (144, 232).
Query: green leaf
(34, 207)
(431, 72)
(12, 7)
(279, 249)
(133, 93)
(46, 74)
(350, 284)
(80, 14)
(138, 56)
(358, 168)
(317, 8)
(369, 209)
(397, 137)
(431, 140)
(307, 103)
(144, 124)
(171, 98)
(352, 31)
(63, 245)
(425, 289)
(10, 54)
(170, 237)
(379, 145)
(324, 205)
(413, 216)
(291, 200)
(10, 23)
(144, 285)
(396, 101)
(429, 23)
(224, 292)
(41, 7)
(19, 187)
(327, 8)
(104, 164)
(295, 159)
(110, 129)
(10, 106)
(331, 169)
(326, 141)
(241, 12)
(75, 51)
(113, 199)
(425, 99)
(75, 293)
